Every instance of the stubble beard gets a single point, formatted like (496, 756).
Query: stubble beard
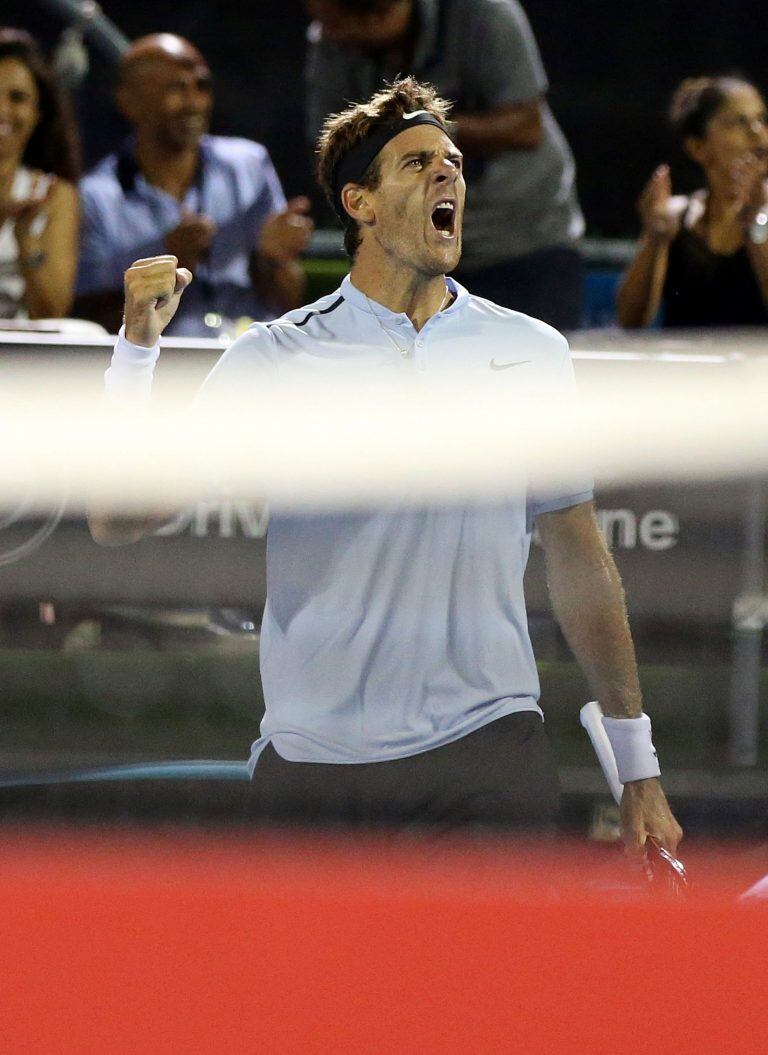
(425, 261)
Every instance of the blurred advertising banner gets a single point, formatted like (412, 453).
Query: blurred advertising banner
(679, 550)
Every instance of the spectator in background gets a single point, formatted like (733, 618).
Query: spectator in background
(39, 166)
(704, 257)
(214, 202)
(522, 218)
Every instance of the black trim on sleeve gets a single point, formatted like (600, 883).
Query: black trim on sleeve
(325, 311)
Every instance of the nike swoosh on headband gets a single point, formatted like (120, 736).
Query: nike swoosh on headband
(505, 366)
(354, 164)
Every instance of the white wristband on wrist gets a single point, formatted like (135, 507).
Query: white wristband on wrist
(632, 745)
(128, 381)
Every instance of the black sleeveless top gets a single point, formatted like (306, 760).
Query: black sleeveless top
(703, 288)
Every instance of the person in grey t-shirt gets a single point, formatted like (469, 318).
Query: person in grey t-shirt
(522, 220)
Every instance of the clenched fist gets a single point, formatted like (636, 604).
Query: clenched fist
(153, 288)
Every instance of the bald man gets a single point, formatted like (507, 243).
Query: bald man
(214, 202)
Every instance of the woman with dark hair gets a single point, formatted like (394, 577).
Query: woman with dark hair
(39, 166)
(704, 257)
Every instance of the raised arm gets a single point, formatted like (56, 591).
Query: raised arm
(639, 296)
(153, 288)
(752, 188)
(276, 270)
(757, 251)
(48, 253)
(514, 126)
(500, 106)
(588, 601)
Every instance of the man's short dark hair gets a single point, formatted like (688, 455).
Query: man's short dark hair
(343, 131)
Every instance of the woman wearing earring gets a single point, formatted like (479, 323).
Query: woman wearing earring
(39, 167)
(703, 258)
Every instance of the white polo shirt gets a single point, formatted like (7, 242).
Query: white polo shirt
(390, 633)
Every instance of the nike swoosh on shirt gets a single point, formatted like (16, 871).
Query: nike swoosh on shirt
(410, 117)
(505, 366)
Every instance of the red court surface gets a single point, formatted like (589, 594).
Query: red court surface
(206, 944)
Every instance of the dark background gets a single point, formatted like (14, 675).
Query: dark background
(611, 65)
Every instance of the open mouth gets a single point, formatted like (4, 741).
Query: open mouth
(444, 218)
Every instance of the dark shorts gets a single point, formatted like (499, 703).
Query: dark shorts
(502, 775)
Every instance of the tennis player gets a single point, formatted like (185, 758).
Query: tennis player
(399, 680)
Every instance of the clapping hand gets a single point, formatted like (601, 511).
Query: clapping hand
(286, 235)
(747, 187)
(24, 212)
(660, 223)
(191, 240)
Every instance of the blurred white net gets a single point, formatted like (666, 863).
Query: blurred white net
(355, 439)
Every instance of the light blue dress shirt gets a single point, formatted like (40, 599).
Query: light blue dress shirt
(125, 218)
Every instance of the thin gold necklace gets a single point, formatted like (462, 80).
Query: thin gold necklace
(399, 347)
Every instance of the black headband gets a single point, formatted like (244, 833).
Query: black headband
(353, 165)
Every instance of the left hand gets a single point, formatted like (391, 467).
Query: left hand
(286, 235)
(153, 288)
(747, 187)
(645, 811)
(23, 213)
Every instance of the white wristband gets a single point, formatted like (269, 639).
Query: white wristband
(128, 381)
(632, 747)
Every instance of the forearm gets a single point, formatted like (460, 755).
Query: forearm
(592, 613)
(128, 387)
(48, 257)
(508, 128)
(588, 601)
(109, 529)
(639, 296)
(758, 258)
(48, 286)
(280, 286)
